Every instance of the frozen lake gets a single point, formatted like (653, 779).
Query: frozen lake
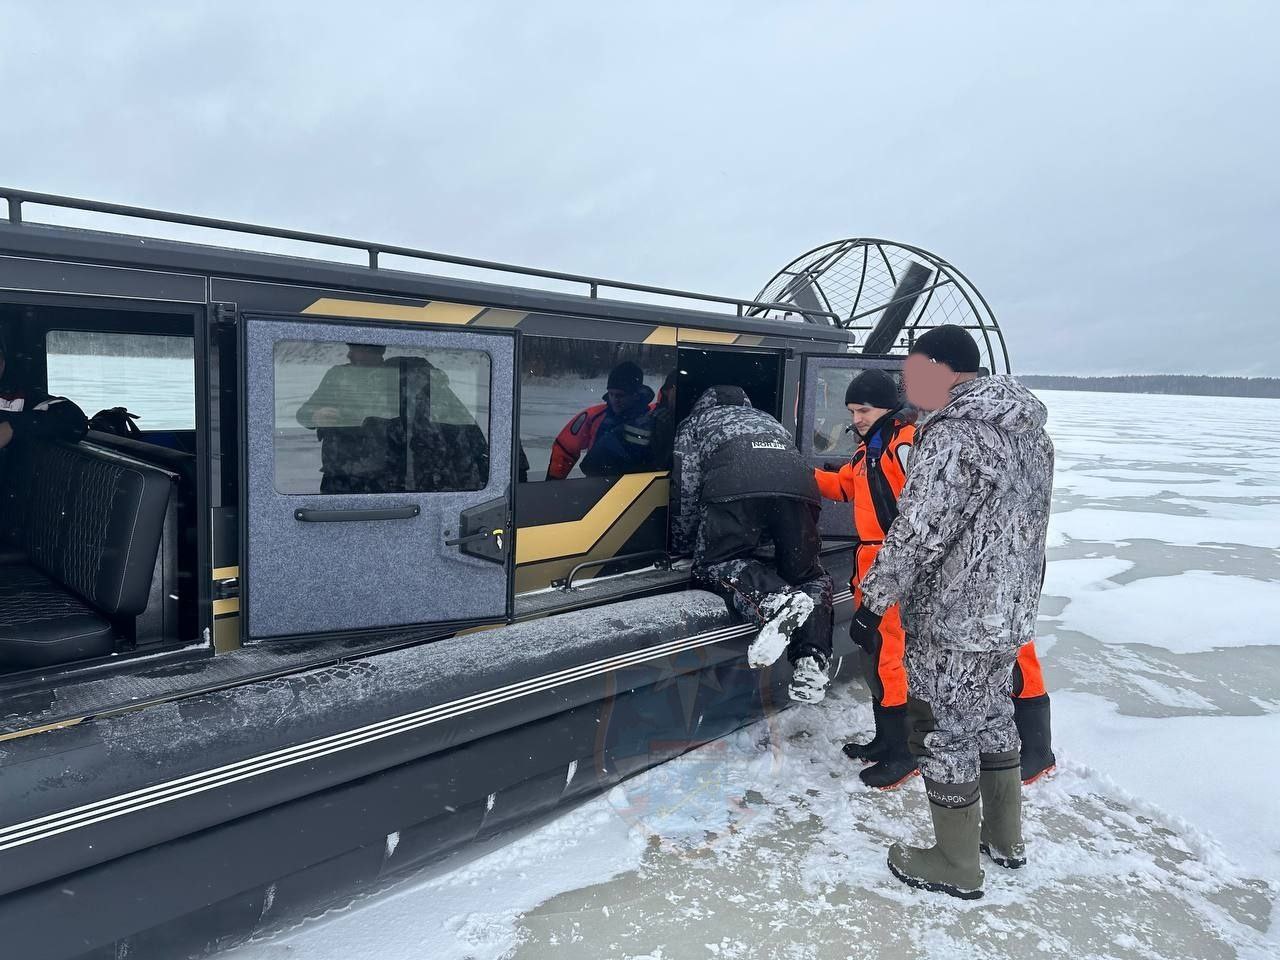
(1158, 836)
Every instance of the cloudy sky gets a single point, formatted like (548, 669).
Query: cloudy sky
(1105, 172)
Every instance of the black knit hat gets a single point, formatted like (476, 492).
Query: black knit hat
(875, 388)
(626, 376)
(951, 345)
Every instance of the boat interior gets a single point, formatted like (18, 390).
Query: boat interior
(100, 541)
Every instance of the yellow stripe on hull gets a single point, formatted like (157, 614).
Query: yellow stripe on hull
(454, 314)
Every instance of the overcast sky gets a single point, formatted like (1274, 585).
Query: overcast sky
(1105, 173)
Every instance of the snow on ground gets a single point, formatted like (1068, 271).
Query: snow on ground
(1213, 610)
(1157, 837)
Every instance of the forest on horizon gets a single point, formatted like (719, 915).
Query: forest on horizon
(1184, 385)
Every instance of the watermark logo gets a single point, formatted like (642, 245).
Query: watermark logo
(703, 727)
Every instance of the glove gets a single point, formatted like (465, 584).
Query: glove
(863, 628)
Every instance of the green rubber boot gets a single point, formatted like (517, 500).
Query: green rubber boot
(1001, 783)
(951, 865)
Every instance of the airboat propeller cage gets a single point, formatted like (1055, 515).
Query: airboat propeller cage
(888, 293)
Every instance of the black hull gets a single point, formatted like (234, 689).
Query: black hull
(211, 841)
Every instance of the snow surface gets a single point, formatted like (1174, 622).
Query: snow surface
(1202, 611)
(1158, 836)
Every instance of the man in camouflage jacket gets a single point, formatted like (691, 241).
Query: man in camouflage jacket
(964, 559)
(740, 485)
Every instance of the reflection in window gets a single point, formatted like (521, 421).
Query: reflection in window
(595, 409)
(367, 418)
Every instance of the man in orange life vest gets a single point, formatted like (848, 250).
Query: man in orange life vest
(872, 481)
(625, 410)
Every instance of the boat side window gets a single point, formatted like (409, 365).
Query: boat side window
(153, 376)
(592, 408)
(367, 418)
(831, 428)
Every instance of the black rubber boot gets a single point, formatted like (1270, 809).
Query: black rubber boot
(896, 764)
(952, 865)
(1002, 809)
(873, 750)
(1032, 719)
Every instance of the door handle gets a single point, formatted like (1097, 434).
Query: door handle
(477, 537)
(307, 515)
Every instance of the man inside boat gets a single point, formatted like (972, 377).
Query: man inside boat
(354, 412)
(28, 413)
(613, 437)
(739, 486)
(965, 560)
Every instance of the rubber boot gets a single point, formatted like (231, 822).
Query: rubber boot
(1031, 715)
(952, 864)
(873, 750)
(896, 765)
(1001, 787)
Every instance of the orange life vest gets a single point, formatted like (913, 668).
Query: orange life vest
(871, 483)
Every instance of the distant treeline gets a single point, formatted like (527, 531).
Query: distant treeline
(94, 343)
(1173, 384)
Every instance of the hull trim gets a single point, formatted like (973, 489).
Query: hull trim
(32, 831)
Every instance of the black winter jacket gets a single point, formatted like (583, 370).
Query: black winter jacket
(728, 450)
(35, 415)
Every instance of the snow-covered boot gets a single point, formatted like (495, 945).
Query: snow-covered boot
(809, 679)
(951, 865)
(873, 750)
(896, 764)
(784, 614)
(1002, 809)
(1032, 718)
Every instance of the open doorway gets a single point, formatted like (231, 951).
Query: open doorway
(758, 372)
(98, 532)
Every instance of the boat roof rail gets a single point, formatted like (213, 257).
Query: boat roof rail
(16, 198)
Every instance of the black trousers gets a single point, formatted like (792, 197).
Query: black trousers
(728, 560)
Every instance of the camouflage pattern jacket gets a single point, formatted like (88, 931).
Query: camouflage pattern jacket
(965, 555)
(721, 414)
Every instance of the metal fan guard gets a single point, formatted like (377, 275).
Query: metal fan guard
(859, 279)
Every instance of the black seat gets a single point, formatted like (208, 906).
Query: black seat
(181, 568)
(42, 624)
(86, 524)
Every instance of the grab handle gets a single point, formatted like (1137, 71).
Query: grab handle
(475, 538)
(307, 515)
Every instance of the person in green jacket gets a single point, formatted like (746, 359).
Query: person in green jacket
(355, 412)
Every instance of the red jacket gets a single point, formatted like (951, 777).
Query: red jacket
(575, 440)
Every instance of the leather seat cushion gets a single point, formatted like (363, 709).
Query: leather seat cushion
(42, 624)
